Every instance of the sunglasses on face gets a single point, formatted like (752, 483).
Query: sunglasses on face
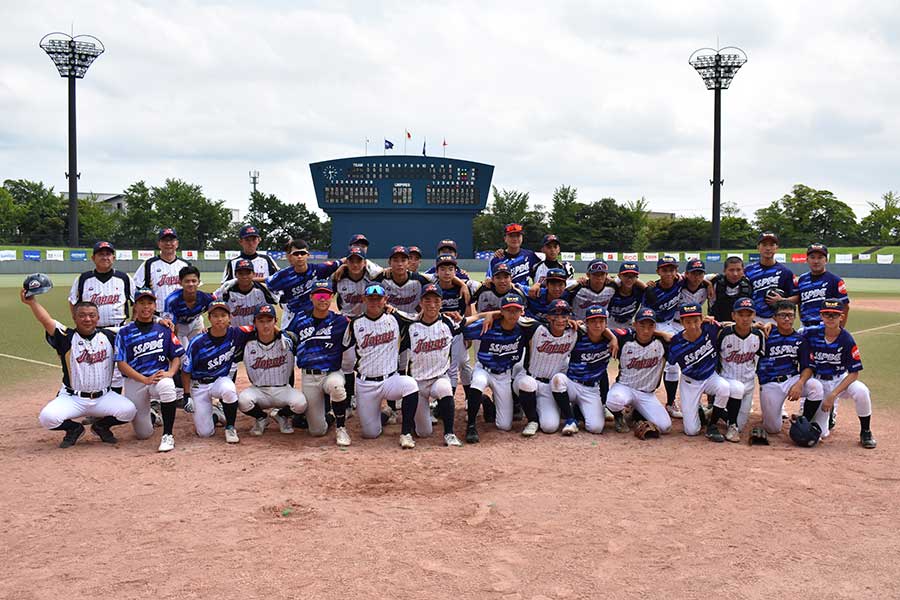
(784, 316)
(299, 253)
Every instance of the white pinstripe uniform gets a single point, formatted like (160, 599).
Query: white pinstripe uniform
(263, 266)
(429, 364)
(161, 277)
(351, 300)
(87, 364)
(737, 362)
(243, 304)
(269, 368)
(406, 298)
(583, 297)
(377, 343)
(546, 359)
(685, 296)
(640, 370)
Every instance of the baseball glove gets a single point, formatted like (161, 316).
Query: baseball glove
(758, 435)
(646, 430)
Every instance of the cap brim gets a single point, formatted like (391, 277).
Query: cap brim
(627, 271)
(831, 310)
(138, 297)
(511, 305)
(692, 314)
(587, 317)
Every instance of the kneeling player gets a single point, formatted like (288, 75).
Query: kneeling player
(86, 354)
(587, 368)
(740, 346)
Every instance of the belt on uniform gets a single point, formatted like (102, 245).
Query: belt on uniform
(91, 395)
(379, 378)
(279, 385)
(314, 372)
(829, 377)
(498, 371)
(206, 379)
(586, 382)
(541, 379)
(780, 378)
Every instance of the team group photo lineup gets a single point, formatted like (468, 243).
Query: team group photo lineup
(392, 344)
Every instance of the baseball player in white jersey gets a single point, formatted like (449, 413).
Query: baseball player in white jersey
(86, 357)
(597, 291)
(263, 265)
(454, 301)
(350, 283)
(244, 294)
(269, 360)
(359, 241)
(551, 249)
(696, 288)
(740, 346)
(376, 335)
(160, 273)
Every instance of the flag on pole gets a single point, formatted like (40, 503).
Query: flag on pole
(423, 146)
(445, 143)
(408, 134)
(388, 145)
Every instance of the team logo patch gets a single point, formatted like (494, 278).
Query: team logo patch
(855, 353)
(842, 287)
(34, 284)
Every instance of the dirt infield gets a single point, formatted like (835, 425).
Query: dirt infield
(883, 304)
(551, 517)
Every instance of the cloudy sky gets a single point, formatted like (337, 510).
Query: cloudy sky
(590, 94)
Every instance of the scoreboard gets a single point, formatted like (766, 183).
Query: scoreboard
(408, 200)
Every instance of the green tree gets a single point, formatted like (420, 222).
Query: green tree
(809, 215)
(507, 206)
(95, 222)
(201, 223)
(882, 224)
(564, 217)
(42, 212)
(139, 225)
(279, 221)
(10, 216)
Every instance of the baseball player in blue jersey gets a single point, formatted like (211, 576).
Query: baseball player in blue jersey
(786, 373)
(454, 301)
(587, 378)
(664, 297)
(837, 363)
(185, 306)
(149, 356)
(320, 351)
(596, 291)
(205, 370)
(771, 280)
(520, 260)
(553, 288)
(294, 282)
(817, 285)
(627, 297)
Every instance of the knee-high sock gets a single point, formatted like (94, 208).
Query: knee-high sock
(529, 404)
(168, 416)
(408, 410)
(446, 409)
(349, 385)
(230, 410)
(473, 403)
(810, 408)
(604, 388)
(109, 421)
(67, 425)
(565, 406)
(340, 412)
(717, 413)
(256, 412)
(671, 388)
(733, 408)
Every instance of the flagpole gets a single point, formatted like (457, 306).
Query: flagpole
(385, 147)
(405, 136)
(367, 146)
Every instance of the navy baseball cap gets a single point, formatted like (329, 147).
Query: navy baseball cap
(445, 259)
(358, 238)
(400, 250)
(629, 267)
(446, 244)
(743, 304)
(502, 268)
(322, 285)
(243, 264)
(817, 248)
(550, 239)
(103, 246)
(831, 305)
(645, 314)
(598, 266)
(555, 274)
(264, 310)
(513, 228)
(357, 251)
(691, 309)
(144, 292)
(512, 300)
(415, 250)
(695, 265)
(218, 304)
(167, 232)
(665, 261)
(559, 307)
(596, 311)
(375, 290)
(430, 288)
(248, 231)
(766, 235)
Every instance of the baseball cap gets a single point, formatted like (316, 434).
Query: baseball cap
(445, 259)
(243, 264)
(832, 305)
(559, 307)
(103, 246)
(430, 288)
(691, 309)
(399, 250)
(512, 300)
(629, 267)
(645, 314)
(743, 304)
(816, 247)
(513, 228)
(358, 238)
(501, 267)
(766, 235)
(446, 244)
(215, 304)
(665, 261)
(322, 285)
(595, 311)
(264, 310)
(142, 292)
(695, 265)
(555, 274)
(248, 231)
(375, 290)
(167, 232)
(357, 251)
(549, 239)
(415, 250)
(598, 266)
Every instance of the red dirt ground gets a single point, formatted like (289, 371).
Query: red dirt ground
(885, 304)
(550, 517)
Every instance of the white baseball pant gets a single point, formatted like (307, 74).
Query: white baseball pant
(202, 394)
(744, 391)
(857, 391)
(271, 396)
(671, 372)
(315, 387)
(460, 370)
(773, 394)
(71, 406)
(501, 391)
(369, 395)
(692, 390)
(437, 388)
(140, 394)
(589, 401)
(548, 411)
(621, 395)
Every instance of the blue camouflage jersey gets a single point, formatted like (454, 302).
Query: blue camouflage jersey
(768, 278)
(320, 341)
(295, 287)
(698, 359)
(812, 289)
(147, 347)
(211, 357)
(588, 360)
(832, 359)
(785, 356)
(501, 349)
(623, 308)
(178, 311)
(520, 265)
(452, 300)
(537, 307)
(664, 301)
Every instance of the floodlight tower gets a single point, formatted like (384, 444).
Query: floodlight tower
(717, 68)
(72, 56)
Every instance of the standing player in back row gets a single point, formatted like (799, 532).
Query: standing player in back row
(160, 273)
(552, 251)
(294, 282)
(772, 281)
(817, 285)
(664, 296)
(520, 260)
(597, 291)
(263, 265)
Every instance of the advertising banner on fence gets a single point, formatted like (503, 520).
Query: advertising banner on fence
(651, 256)
(318, 255)
(568, 256)
(31, 254)
(629, 256)
(843, 259)
(781, 257)
(229, 254)
(124, 254)
(798, 258)
(752, 257)
(55, 254)
(7, 255)
(145, 254)
(610, 256)
(864, 257)
(211, 255)
(588, 256)
(78, 255)
(713, 257)
(189, 254)
(691, 256)
(884, 259)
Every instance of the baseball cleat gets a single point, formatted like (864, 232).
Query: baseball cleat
(673, 412)
(471, 435)
(733, 435)
(570, 428)
(102, 431)
(393, 419)
(530, 429)
(155, 414)
(451, 441)
(832, 419)
(342, 438)
(72, 436)
(607, 414)
(259, 426)
(231, 435)
(300, 422)
(406, 441)
(285, 424)
(218, 415)
(620, 424)
(167, 443)
(866, 439)
(714, 435)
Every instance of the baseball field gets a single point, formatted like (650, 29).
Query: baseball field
(549, 517)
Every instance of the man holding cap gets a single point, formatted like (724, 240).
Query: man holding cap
(160, 272)
(597, 291)
(627, 297)
(551, 249)
(263, 265)
(771, 280)
(244, 294)
(520, 260)
(817, 285)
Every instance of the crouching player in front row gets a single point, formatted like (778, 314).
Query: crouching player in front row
(586, 375)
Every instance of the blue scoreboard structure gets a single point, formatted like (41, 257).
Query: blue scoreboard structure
(409, 200)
